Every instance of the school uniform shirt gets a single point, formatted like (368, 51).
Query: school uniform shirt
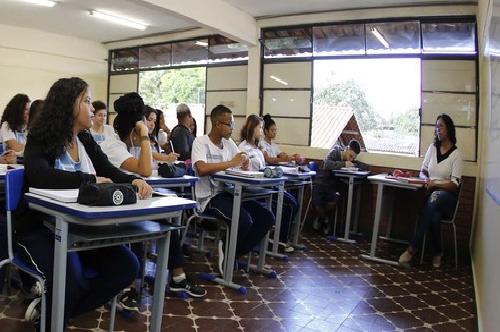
(205, 150)
(8, 134)
(116, 151)
(443, 167)
(255, 156)
(66, 163)
(272, 148)
(135, 151)
(107, 133)
(162, 137)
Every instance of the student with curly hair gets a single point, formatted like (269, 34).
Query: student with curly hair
(61, 154)
(13, 129)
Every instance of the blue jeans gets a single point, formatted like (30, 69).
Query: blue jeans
(255, 220)
(438, 205)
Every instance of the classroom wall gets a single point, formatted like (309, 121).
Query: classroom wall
(485, 246)
(31, 61)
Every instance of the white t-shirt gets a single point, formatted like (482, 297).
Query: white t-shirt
(450, 168)
(162, 137)
(256, 157)
(205, 150)
(66, 163)
(272, 148)
(8, 134)
(107, 133)
(116, 151)
(135, 150)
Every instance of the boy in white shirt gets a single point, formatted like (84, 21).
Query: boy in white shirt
(217, 152)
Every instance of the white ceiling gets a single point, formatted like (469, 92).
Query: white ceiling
(70, 17)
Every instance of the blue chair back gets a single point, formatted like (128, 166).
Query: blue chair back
(14, 183)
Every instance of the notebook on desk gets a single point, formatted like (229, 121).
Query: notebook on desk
(245, 174)
(61, 195)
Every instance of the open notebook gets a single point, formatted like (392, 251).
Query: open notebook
(61, 195)
(246, 174)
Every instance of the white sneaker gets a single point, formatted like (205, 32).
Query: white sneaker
(289, 249)
(221, 257)
(32, 313)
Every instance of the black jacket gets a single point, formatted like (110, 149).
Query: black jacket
(182, 139)
(40, 173)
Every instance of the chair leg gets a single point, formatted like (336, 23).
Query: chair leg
(43, 312)
(112, 314)
(423, 249)
(456, 249)
(184, 234)
(335, 218)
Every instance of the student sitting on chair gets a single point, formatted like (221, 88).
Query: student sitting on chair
(251, 135)
(14, 123)
(181, 137)
(100, 130)
(61, 154)
(158, 156)
(324, 193)
(217, 152)
(161, 132)
(128, 122)
(270, 149)
(442, 167)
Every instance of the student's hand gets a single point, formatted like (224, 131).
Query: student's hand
(171, 157)
(246, 165)
(349, 164)
(239, 159)
(9, 157)
(141, 129)
(100, 179)
(430, 185)
(144, 190)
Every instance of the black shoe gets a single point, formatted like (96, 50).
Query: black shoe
(129, 300)
(188, 287)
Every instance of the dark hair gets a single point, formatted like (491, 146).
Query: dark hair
(99, 105)
(268, 122)
(218, 111)
(14, 112)
(354, 146)
(247, 131)
(450, 128)
(54, 126)
(35, 109)
(154, 135)
(130, 109)
(195, 127)
(159, 115)
(182, 111)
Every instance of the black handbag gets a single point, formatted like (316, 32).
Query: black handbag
(172, 170)
(102, 194)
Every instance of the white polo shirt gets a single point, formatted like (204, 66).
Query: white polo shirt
(8, 134)
(272, 148)
(255, 156)
(205, 150)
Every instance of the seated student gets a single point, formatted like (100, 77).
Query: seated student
(130, 108)
(35, 109)
(442, 167)
(271, 151)
(100, 130)
(181, 136)
(61, 154)
(324, 182)
(13, 129)
(151, 116)
(193, 128)
(251, 135)
(161, 132)
(217, 152)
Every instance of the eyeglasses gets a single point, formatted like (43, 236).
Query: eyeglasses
(230, 124)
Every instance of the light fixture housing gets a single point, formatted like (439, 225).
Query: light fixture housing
(125, 21)
(44, 3)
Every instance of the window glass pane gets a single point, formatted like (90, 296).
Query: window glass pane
(286, 75)
(395, 37)
(449, 37)
(339, 40)
(165, 89)
(375, 101)
(155, 56)
(125, 59)
(223, 49)
(193, 52)
(287, 43)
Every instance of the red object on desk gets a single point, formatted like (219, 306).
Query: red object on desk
(412, 180)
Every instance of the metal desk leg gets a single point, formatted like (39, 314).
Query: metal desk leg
(298, 219)
(376, 224)
(161, 282)
(390, 209)
(59, 279)
(355, 230)
(277, 226)
(348, 214)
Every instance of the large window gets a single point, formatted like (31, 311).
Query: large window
(165, 89)
(380, 97)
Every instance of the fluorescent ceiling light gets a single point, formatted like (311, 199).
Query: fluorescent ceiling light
(45, 3)
(117, 19)
(380, 38)
(201, 43)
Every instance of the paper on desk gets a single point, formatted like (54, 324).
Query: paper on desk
(61, 195)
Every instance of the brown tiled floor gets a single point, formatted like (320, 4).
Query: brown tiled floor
(324, 289)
